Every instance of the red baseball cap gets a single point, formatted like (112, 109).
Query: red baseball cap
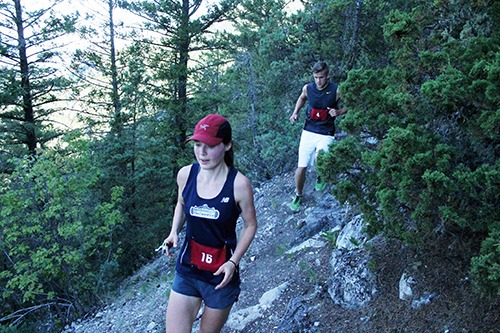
(212, 130)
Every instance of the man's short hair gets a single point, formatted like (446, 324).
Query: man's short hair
(320, 66)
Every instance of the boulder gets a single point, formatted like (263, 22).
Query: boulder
(352, 284)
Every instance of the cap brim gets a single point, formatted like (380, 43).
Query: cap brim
(208, 140)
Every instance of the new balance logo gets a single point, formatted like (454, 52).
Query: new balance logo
(225, 200)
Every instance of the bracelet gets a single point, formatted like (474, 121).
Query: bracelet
(232, 262)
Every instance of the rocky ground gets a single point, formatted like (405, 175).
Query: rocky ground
(286, 275)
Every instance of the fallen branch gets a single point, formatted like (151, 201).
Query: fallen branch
(21, 313)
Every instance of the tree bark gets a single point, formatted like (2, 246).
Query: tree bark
(29, 114)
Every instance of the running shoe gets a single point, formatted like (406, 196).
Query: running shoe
(320, 186)
(295, 205)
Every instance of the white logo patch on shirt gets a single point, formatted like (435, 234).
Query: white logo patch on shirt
(225, 200)
(204, 212)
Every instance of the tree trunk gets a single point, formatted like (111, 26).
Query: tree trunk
(117, 126)
(29, 116)
(184, 42)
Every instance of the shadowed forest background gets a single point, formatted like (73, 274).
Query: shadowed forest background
(95, 108)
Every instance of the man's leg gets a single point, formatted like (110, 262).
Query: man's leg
(300, 179)
(307, 151)
(306, 154)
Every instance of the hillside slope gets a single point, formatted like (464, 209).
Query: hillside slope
(287, 272)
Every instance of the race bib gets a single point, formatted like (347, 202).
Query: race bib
(319, 114)
(207, 258)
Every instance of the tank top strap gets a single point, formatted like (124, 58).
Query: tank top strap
(231, 176)
(195, 167)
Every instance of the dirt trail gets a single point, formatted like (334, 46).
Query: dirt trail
(285, 286)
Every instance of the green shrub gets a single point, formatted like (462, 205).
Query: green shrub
(57, 238)
(486, 267)
(421, 153)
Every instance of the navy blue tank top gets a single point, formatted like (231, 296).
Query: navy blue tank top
(317, 118)
(210, 222)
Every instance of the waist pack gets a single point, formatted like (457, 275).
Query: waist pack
(207, 258)
(319, 114)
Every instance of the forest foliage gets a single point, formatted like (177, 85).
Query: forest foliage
(83, 206)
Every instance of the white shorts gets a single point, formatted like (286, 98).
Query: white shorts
(309, 146)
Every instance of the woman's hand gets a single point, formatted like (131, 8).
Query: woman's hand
(168, 243)
(228, 269)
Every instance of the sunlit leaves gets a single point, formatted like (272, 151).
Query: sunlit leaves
(55, 234)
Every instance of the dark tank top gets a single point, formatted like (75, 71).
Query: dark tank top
(210, 222)
(317, 118)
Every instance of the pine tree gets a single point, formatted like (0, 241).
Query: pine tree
(31, 85)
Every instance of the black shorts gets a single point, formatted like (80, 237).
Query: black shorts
(215, 299)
